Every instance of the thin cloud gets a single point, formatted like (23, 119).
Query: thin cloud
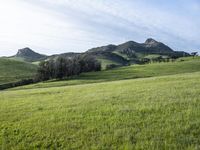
(77, 25)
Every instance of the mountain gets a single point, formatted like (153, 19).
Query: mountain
(29, 55)
(150, 46)
(127, 53)
(133, 52)
(156, 46)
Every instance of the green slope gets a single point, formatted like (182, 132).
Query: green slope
(130, 72)
(152, 113)
(12, 70)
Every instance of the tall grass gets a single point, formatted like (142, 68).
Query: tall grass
(153, 113)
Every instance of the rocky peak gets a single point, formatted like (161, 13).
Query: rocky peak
(25, 51)
(29, 55)
(151, 43)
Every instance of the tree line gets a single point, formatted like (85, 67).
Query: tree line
(65, 67)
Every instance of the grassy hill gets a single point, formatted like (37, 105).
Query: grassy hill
(131, 72)
(121, 55)
(135, 53)
(151, 113)
(13, 70)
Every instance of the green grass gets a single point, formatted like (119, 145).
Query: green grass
(105, 62)
(12, 70)
(152, 113)
(155, 106)
(130, 72)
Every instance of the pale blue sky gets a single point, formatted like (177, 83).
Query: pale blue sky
(57, 26)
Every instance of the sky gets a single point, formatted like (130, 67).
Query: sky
(59, 26)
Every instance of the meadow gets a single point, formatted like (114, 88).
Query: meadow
(154, 106)
(151, 113)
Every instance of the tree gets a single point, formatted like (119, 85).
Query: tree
(60, 68)
(76, 66)
(43, 72)
(89, 63)
(51, 68)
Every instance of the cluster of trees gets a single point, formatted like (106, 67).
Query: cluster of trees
(66, 67)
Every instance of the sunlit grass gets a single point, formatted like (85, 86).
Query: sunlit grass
(153, 113)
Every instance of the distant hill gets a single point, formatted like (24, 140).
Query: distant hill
(150, 46)
(127, 53)
(13, 70)
(133, 52)
(29, 55)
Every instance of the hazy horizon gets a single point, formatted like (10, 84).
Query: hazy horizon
(53, 27)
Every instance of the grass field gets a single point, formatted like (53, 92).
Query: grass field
(152, 113)
(124, 73)
(155, 106)
(12, 70)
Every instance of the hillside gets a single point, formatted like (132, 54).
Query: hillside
(154, 113)
(12, 70)
(124, 54)
(121, 55)
(135, 53)
(189, 65)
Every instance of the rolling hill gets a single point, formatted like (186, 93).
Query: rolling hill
(127, 53)
(13, 70)
(151, 113)
(131, 52)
